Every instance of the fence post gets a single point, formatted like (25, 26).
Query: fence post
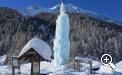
(90, 63)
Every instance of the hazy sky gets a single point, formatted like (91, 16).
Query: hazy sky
(110, 8)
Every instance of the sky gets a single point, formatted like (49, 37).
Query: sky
(110, 8)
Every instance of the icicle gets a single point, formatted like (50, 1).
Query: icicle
(61, 42)
(62, 8)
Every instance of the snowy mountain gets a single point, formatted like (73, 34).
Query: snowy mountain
(35, 9)
(89, 36)
(69, 8)
(72, 8)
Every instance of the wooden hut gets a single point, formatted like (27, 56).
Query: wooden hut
(35, 50)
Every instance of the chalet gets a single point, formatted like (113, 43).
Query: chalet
(34, 51)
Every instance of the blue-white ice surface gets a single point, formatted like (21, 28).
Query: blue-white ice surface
(61, 42)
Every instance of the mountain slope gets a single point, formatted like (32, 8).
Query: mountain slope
(33, 10)
(70, 8)
(88, 36)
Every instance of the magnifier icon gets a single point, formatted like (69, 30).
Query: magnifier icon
(106, 59)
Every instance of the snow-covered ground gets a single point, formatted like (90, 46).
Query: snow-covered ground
(119, 67)
(2, 59)
(50, 69)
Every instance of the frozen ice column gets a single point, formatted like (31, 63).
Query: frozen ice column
(61, 42)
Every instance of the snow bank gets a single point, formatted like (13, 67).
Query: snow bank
(26, 68)
(106, 69)
(50, 69)
(95, 64)
(2, 59)
(5, 70)
(118, 67)
(68, 73)
(40, 46)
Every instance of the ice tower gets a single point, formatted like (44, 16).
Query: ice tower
(61, 42)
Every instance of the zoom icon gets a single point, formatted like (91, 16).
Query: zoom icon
(106, 59)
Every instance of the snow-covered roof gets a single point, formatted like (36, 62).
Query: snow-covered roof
(41, 47)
